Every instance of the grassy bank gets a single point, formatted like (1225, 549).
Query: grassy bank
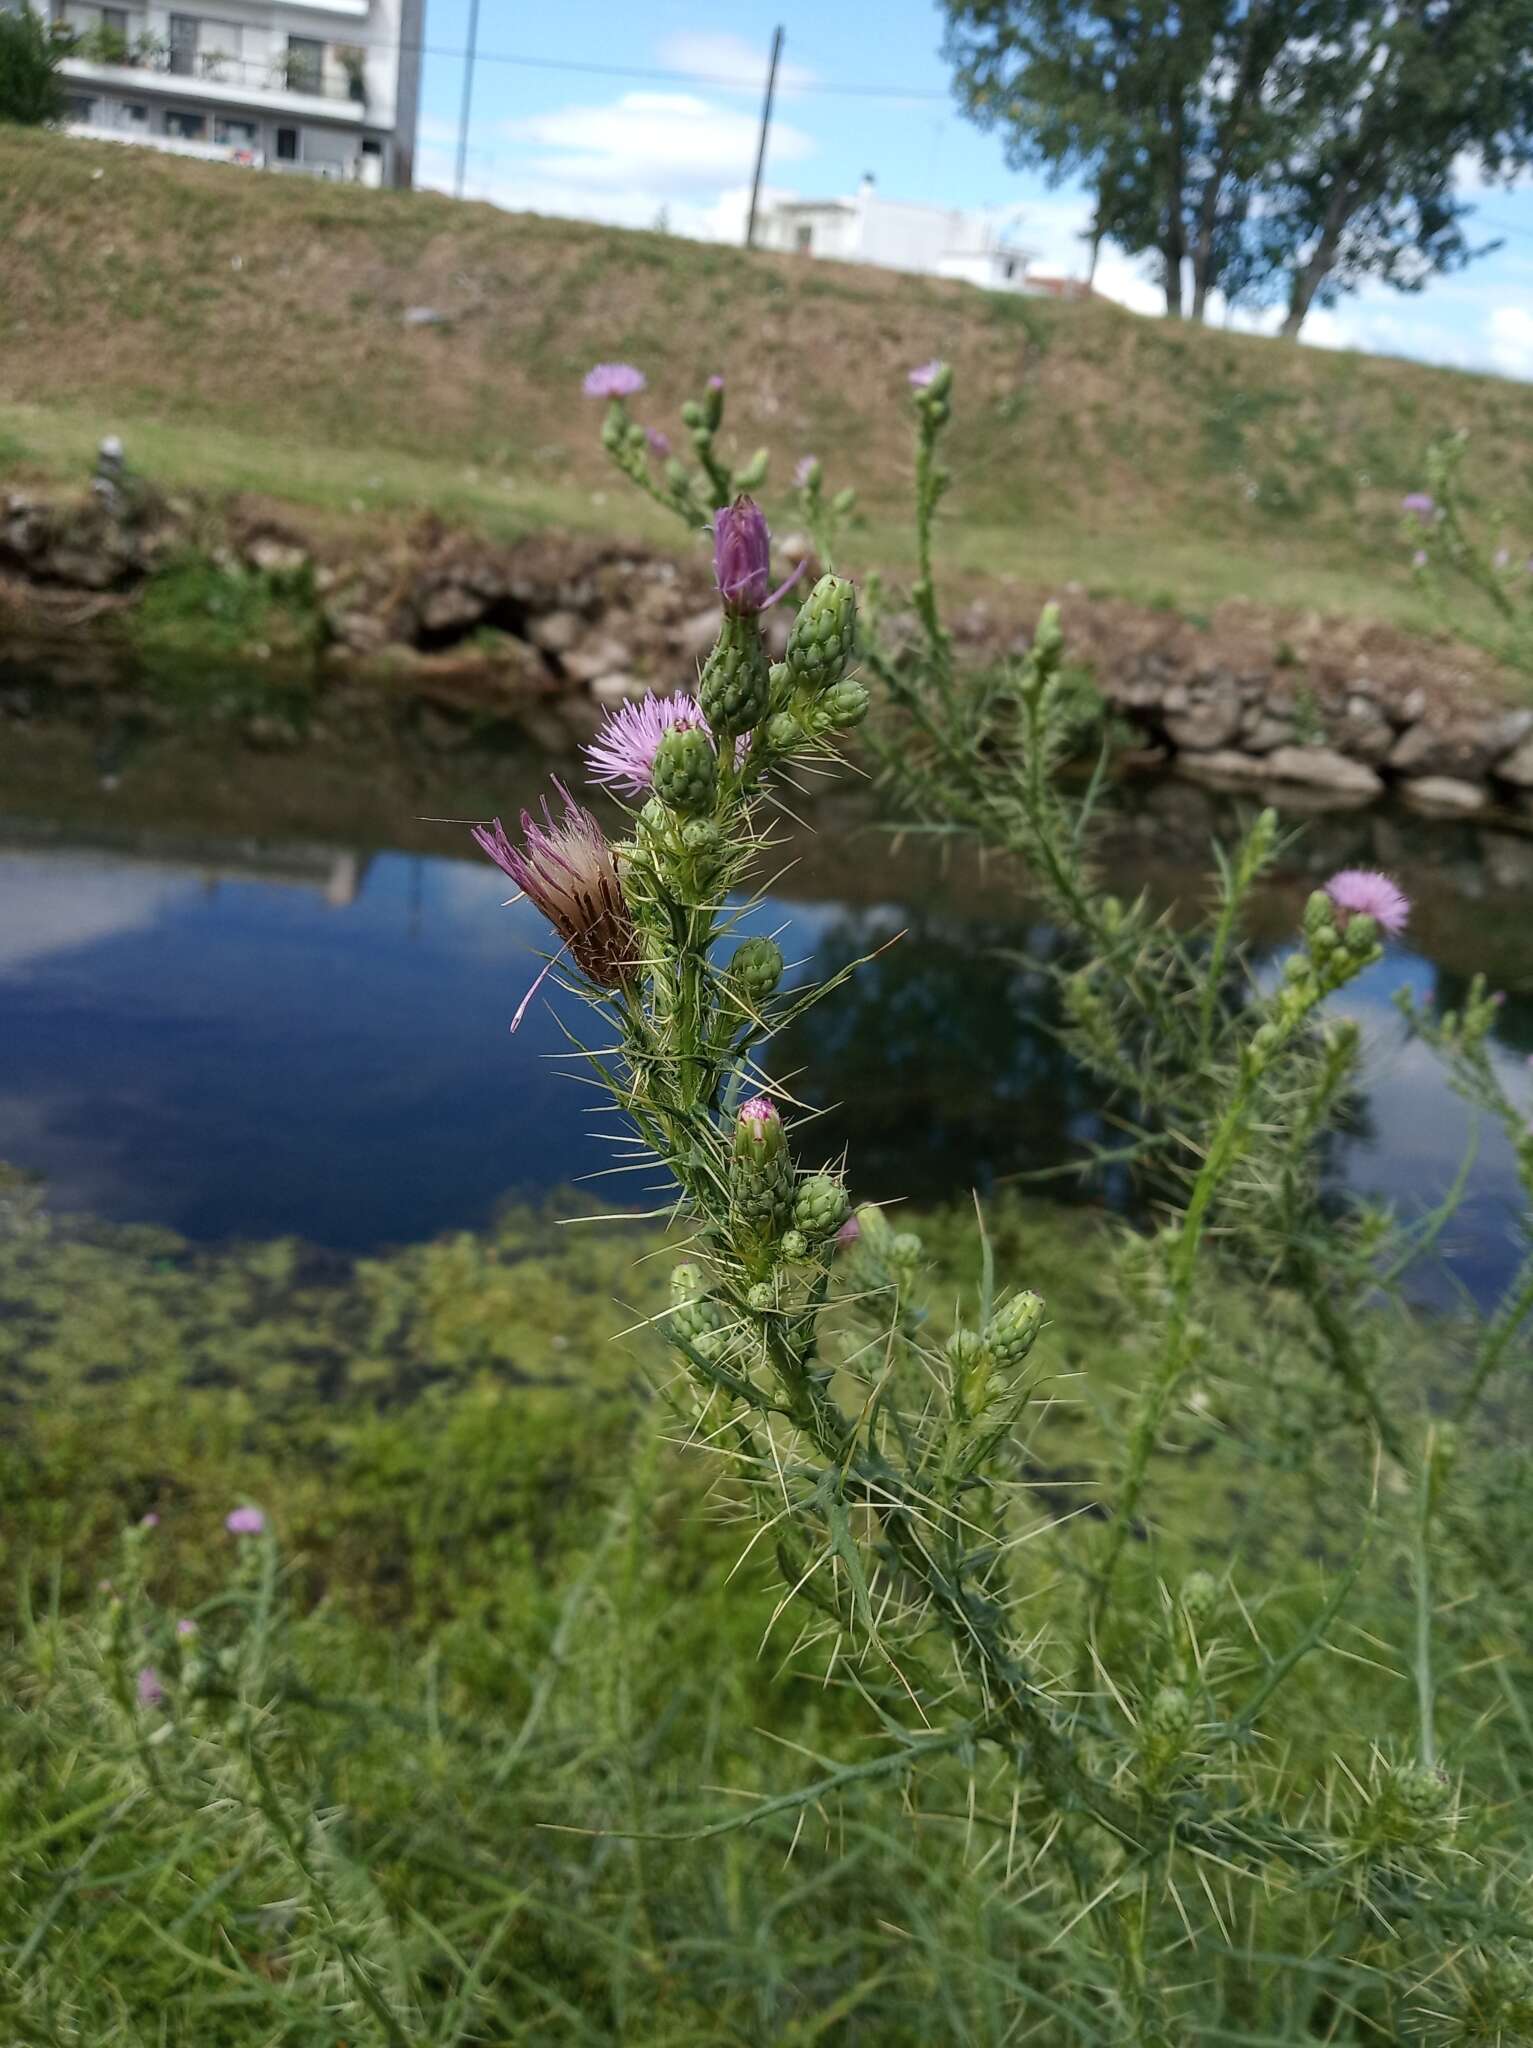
(510, 1645)
(248, 334)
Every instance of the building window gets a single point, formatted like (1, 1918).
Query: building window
(305, 64)
(136, 115)
(287, 145)
(803, 239)
(78, 108)
(183, 44)
(235, 134)
(185, 127)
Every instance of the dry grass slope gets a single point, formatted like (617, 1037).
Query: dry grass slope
(250, 332)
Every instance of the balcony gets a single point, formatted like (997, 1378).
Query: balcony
(311, 80)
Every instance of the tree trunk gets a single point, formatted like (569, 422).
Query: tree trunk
(1308, 280)
(1174, 247)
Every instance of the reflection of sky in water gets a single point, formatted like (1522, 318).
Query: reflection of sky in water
(327, 1052)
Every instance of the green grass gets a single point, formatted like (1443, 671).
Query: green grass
(503, 1655)
(246, 334)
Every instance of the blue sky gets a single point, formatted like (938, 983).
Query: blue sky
(554, 137)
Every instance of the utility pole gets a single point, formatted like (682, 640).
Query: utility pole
(766, 122)
(468, 94)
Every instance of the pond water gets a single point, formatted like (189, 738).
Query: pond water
(276, 1034)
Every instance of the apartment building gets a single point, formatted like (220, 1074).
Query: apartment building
(323, 88)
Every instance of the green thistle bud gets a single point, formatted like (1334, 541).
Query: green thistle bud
(685, 771)
(1200, 1597)
(844, 705)
(761, 1171)
(1171, 1718)
(703, 841)
(972, 1363)
(713, 404)
(688, 1283)
(1319, 914)
(760, 1298)
(1362, 935)
(844, 503)
(692, 1321)
(735, 686)
(753, 476)
(964, 1347)
(1422, 1793)
(824, 635)
(794, 1245)
(873, 1230)
(784, 732)
(755, 968)
(1013, 1329)
(820, 1205)
(905, 1248)
(691, 413)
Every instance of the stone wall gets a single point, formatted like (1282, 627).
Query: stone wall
(548, 633)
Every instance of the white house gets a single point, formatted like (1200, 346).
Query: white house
(327, 88)
(898, 234)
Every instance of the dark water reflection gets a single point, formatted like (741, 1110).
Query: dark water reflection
(277, 1037)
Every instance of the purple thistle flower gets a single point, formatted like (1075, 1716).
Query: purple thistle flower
(1497, 997)
(149, 1521)
(570, 872)
(659, 444)
(186, 1628)
(245, 1522)
(715, 382)
(622, 755)
(150, 1691)
(1421, 504)
(806, 470)
(849, 1232)
(1419, 559)
(925, 373)
(614, 380)
(742, 559)
(1362, 892)
(1502, 558)
(761, 1109)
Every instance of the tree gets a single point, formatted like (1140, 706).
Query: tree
(1400, 99)
(30, 88)
(1260, 147)
(1170, 111)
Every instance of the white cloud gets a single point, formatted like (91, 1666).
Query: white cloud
(671, 143)
(1511, 340)
(723, 59)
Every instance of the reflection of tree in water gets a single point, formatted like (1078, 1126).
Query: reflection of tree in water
(939, 1058)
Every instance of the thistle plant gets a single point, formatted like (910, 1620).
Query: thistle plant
(888, 1451)
(1452, 561)
(645, 457)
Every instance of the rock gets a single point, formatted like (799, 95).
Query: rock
(556, 632)
(696, 635)
(449, 608)
(1444, 794)
(1364, 731)
(1411, 708)
(362, 631)
(1517, 767)
(617, 688)
(1223, 764)
(1322, 768)
(1462, 749)
(423, 316)
(598, 656)
(1211, 719)
(271, 556)
(1267, 732)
